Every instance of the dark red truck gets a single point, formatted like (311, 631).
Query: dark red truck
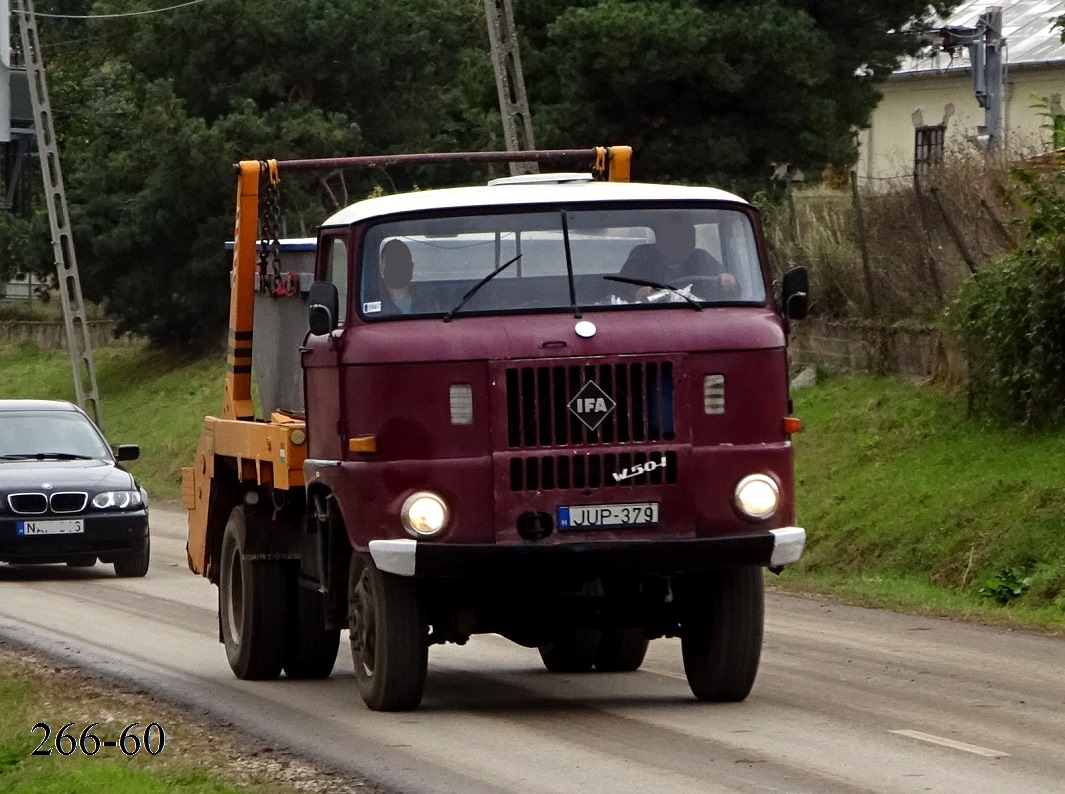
(553, 407)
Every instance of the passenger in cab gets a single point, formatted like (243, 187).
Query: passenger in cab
(397, 270)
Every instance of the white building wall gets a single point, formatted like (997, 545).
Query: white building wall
(886, 148)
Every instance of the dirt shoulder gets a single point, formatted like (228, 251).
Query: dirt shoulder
(65, 693)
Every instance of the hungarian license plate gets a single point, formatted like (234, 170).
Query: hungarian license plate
(623, 515)
(70, 527)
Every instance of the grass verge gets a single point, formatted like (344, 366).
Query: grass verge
(197, 758)
(149, 397)
(909, 503)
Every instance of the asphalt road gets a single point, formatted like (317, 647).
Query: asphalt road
(847, 699)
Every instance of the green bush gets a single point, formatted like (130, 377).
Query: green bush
(1011, 316)
(1006, 586)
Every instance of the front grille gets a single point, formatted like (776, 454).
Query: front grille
(553, 472)
(28, 504)
(68, 502)
(538, 400)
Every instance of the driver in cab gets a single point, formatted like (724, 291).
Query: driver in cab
(672, 259)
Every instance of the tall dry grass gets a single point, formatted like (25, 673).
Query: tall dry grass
(916, 265)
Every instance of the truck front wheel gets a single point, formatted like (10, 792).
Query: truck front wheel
(721, 633)
(252, 606)
(389, 637)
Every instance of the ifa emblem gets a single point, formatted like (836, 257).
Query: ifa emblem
(591, 405)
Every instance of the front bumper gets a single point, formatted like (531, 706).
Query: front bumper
(409, 557)
(107, 535)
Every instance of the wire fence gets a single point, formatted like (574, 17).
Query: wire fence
(896, 251)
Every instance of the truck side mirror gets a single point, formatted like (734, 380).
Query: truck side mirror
(323, 308)
(795, 293)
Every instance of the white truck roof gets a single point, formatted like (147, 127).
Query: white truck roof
(543, 190)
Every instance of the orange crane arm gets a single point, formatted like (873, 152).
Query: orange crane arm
(237, 402)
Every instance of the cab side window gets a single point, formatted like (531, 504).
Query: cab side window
(336, 269)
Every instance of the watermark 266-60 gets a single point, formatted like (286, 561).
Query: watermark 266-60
(67, 740)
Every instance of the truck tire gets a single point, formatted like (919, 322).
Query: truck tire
(136, 564)
(310, 648)
(721, 634)
(571, 651)
(621, 650)
(389, 637)
(252, 606)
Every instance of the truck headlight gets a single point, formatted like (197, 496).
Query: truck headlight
(424, 514)
(757, 496)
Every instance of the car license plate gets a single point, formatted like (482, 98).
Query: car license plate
(72, 527)
(623, 515)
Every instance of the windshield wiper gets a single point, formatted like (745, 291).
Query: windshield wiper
(476, 287)
(569, 268)
(45, 456)
(639, 282)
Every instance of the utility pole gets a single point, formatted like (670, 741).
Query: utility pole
(510, 82)
(5, 71)
(987, 55)
(78, 343)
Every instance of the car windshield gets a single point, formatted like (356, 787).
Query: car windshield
(633, 257)
(49, 433)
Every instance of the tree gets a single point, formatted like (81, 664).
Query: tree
(151, 111)
(155, 109)
(716, 91)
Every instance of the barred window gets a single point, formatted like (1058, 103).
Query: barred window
(928, 147)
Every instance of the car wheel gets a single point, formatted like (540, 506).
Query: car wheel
(571, 651)
(82, 562)
(310, 648)
(721, 634)
(621, 650)
(252, 606)
(136, 564)
(389, 637)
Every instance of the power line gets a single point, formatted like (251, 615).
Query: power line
(119, 16)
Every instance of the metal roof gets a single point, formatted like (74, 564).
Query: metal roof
(550, 193)
(1027, 27)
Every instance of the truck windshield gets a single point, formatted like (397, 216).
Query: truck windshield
(425, 266)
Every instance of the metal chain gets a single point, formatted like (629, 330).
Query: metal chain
(270, 247)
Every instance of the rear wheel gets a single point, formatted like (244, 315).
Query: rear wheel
(252, 606)
(135, 564)
(571, 651)
(721, 633)
(621, 650)
(389, 637)
(310, 648)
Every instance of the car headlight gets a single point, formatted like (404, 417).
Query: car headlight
(117, 500)
(757, 496)
(424, 514)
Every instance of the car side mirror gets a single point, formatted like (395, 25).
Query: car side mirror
(127, 452)
(323, 308)
(795, 294)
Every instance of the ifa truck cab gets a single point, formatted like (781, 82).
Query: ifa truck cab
(552, 407)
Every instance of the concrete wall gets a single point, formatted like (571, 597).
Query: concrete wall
(861, 347)
(52, 336)
(886, 148)
(833, 345)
